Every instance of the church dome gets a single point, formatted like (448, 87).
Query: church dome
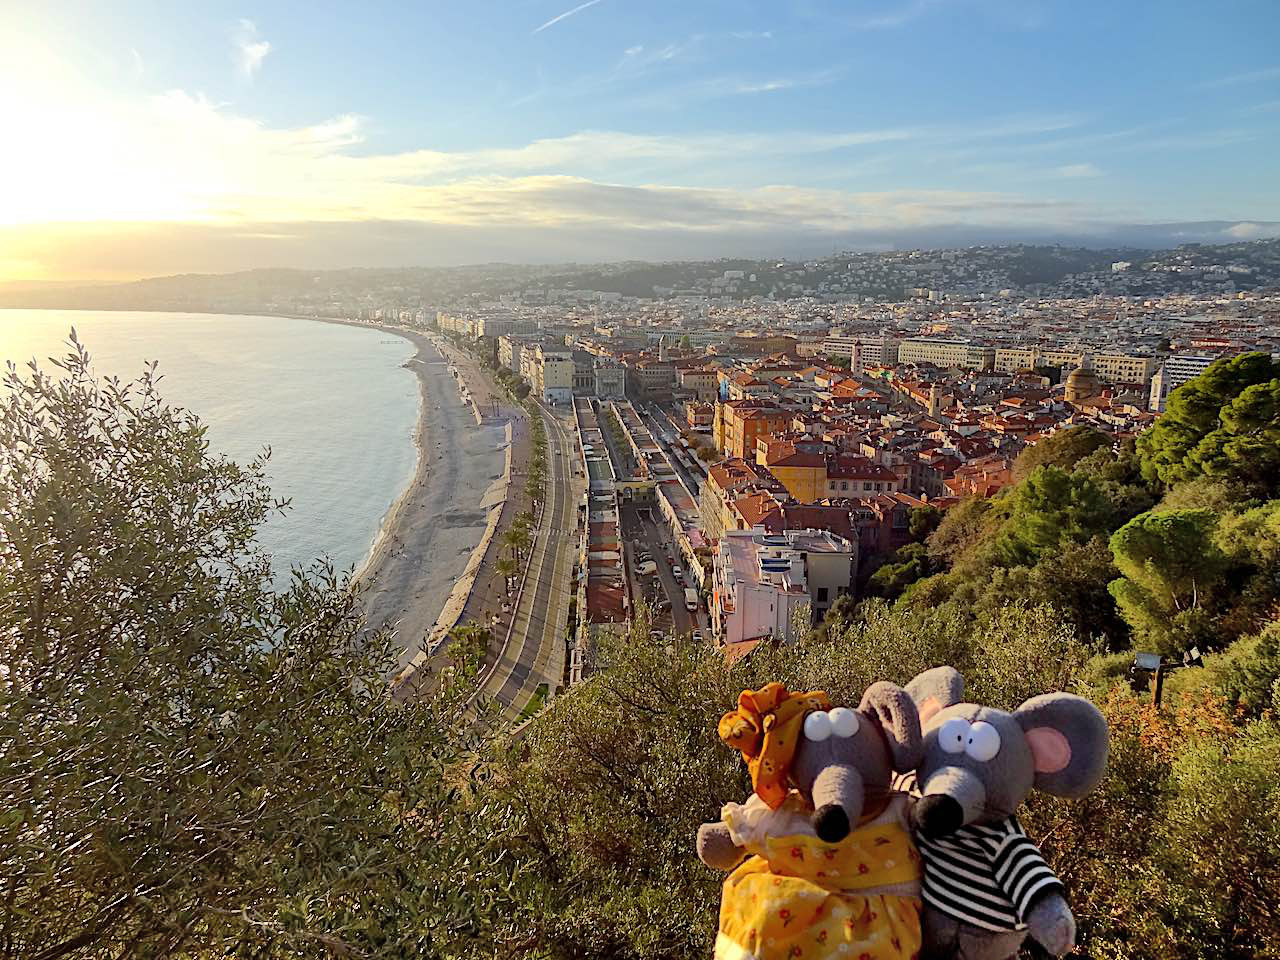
(1082, 384)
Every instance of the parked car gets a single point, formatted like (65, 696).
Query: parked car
(677, 572)
(690, 599)
(697, 636)
(647, 568)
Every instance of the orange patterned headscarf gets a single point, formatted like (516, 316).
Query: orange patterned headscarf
(766, 727)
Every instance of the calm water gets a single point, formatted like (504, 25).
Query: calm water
(334, 404)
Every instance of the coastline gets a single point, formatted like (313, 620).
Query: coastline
(429, 561)
(433, 542)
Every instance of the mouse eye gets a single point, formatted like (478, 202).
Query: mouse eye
(953, 735)
(983, 742)
(844, 722)
(817, 726)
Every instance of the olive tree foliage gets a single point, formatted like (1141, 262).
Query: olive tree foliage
(193, 763)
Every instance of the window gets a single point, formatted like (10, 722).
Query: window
(866, 484)
(844, 484)
(822, 594)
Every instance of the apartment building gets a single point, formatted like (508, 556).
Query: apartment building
(549, 372)
(509, 350)
(761, 582)
(1173, 373)
(947, 353)
(485, 326)
(877, 351)
(1108, 367)
(699, 416)
(739, 423)
(702, 382)
(726, 480)
(1016, 359)
(1123, 368)
(799, 465)
(849, 475)
(651, 377)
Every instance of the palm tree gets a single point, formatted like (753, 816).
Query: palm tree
(517, 538)
(507, 567)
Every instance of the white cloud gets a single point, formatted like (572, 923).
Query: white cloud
(251, 49)
(899, 16)
(1249, 76)
(1252, 231)
(1077, 170)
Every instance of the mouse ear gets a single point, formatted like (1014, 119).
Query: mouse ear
(1068, 740)
(935, 690)
(896, 713)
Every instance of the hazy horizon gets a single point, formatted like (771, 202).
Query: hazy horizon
(164, 141)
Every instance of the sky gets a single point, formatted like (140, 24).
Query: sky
(149, 138)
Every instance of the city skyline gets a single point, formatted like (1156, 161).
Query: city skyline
(173, 141)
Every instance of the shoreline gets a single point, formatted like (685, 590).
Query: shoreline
(432, 543)
(430, 551)
(390, 519)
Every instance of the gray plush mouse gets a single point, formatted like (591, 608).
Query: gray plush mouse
(822, 861)
(986, 886)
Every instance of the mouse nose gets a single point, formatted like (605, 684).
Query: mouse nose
(938, 815)
(831, 823)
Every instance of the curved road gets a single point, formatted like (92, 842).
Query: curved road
(535, 653)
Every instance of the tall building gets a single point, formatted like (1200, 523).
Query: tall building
(1173, 373)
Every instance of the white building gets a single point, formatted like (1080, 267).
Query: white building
(553, 375)
(1176, 371)
(760, 581)
(876, 351)
(947, 353)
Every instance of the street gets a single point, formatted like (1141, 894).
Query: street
(535, 652)
(639, 534)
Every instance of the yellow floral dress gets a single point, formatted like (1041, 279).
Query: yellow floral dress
(799, 898)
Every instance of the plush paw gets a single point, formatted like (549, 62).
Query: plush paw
(716, 848)
(1051, 924)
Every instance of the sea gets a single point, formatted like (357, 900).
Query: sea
(334, 404)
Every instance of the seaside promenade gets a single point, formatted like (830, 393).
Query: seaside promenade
(434, 564)
(431, 532)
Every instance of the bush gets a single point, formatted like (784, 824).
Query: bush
(185, 753)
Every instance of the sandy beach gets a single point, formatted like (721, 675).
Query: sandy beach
(430, 533)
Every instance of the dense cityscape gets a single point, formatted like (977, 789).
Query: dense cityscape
(737, 413)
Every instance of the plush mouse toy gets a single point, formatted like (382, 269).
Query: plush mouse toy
(829, 868)
(986, 886)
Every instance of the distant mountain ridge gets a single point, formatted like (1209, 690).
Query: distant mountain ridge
(283, 289)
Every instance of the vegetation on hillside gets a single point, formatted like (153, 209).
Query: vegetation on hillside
(193, 764)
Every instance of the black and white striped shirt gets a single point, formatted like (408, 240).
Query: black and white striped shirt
(985, 874)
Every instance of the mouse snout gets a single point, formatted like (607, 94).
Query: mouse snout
(837, 802)
(950, 798)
